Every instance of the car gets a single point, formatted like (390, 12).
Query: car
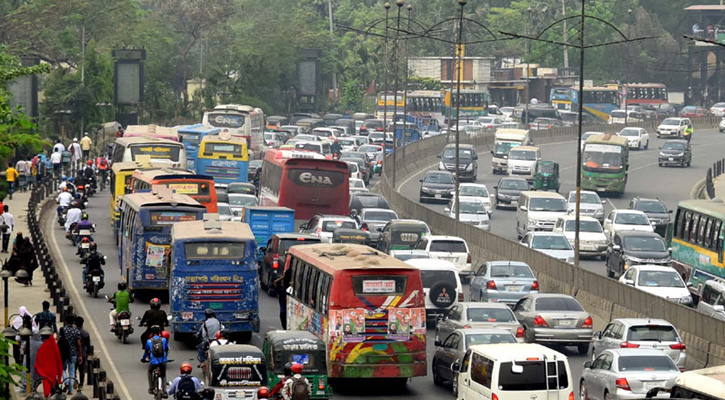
(571, 118)
(354, 170)
(237, 202)
(489, 122)
(305, 137)
(656, 211)
(467, 161)
(273, 256)
(538, 211)
(718, 109)
(324, 225)
(553, 318)
(326, 134)
(273, 140)
(357, 184)
(436, 185)
(359, 201)
(317, 147)
(377, 138)
(441, 285)
(693, 112)
(630, 248)
(225, 213)
(590, 204)
(348, 143)
(552, 244)
(543, 124)
(619, 117)
(478, 315)
(675, 152)
(293, 129)
(373, 220)
(673, 127)
(626, 220)
(405, 255)
(362, 167)
(471, 210)
(721, 125)
(452, 348)
(637, 138)
(402, 234)
(502, 282)
(658, 280)
(666, 110)
(508, 191)
(508, 113)
(641, 333)
(254, 165)
(585, 136)
(241, 188)
(479, 191)
(626, 374)
(522, 161)
(448, 248)
(712, 299)
(592, 240)
(361, 140)
(371, 125)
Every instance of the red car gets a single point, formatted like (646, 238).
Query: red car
(693, 112)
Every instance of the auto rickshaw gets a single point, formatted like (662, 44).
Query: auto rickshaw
(236, 371)
(281, 347)
(355, 236)
(546, 176)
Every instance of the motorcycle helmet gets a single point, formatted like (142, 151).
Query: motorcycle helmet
(89, 162)
(296, 368)
(263, 393)
(84, 217)
(122, 286)
(166, 335)
(185, 368)
(288, 369)
(208, 313)
(155, 330)
(155, 304)
(64, 178)
(71, 179)
(94, 246)
(223, 334)
(77, 196)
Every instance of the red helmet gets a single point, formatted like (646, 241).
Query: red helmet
(155, 304)
(263, 393)
(89, 162)
(185, 368)
(296, 368)
(166, 335)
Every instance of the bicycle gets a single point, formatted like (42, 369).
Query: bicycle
(159, 390)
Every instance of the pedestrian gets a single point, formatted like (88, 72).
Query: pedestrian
(55, 159)
(46, 318)
(85, 350)
(86, 144)
(281, 284)
(58, 146)
(28, 260)
(119, 132)
(11, 175)
(7, 223)
(75, 153)
(17, 323)
(48, 364)
(69, 342)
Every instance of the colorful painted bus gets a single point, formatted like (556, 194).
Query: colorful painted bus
(240, 121)
(426, 106)
(121, 177)
(191, 136)
(605, 161)
(198, 187)
(224, 157)
(598, 101)
(389, 104)
(368, 308)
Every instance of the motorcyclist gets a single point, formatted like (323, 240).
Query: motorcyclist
(185, 385)
(122, 298)
(72, 216)
(290, 391)
(93, 261)
(222, 338)
(206, 334)
(83, 225)
(156, 358)
(89, 173)
(63, 199)
(63, 182)
(275, 392)
(103, 165)
(153, 316)
(336, 149)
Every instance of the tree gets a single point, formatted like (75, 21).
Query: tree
(8, 373)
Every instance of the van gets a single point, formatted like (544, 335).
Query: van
(513, 371)
(504, 140)
(442, 287)
(538, 211)
(522, 161)
(712, 299)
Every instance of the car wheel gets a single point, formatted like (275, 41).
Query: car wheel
(529, 336)
(436, 378)
(689, 163)
(646, 146)
(660, 164)
(607, 396)
(583, 391)
(583, 348)
(639, 146)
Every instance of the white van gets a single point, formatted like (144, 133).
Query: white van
(538, 211)
(513, 371)
(442, 287)
(712, 299)
(522, 161)
(505, 140)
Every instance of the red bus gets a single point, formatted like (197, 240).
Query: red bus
(198, 187)
(368, 308)
(306, 182)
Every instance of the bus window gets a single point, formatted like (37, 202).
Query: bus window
(708, 234)
(686, 226)
(692, 237)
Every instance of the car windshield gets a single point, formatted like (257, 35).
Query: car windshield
(550, 242)
(671, 121)
(547, 204)
(646, 363)
(330, 226)
(448, 246)
(438, 178)
(381, 216)
(370, 201)
(489, 338)
(526, 155)
(651, 207)
(368, 149)
(347, 142)
(584, 226)
(629, 132)
(660, 279)
(472, 207)
(475, 191)
(490, 315)
(644, 243)
(450, 152)
(558, 304)
(504, 147)
(652, 333)
(513, 184)
(586, 198)
(670, 145)
(270, 136)
(631, 219)
(357, 183)
(431, 277)
(243, 200)
(223, 209)
(511, 271)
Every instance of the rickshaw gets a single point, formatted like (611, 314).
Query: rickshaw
(236, 371)
(355, 236)
(281, 347)
(546, 176)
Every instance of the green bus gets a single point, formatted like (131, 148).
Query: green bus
(605, 161)
(696, 239)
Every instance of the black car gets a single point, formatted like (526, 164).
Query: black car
(467, 161)
(358, 201)
(656, 211)
(437, 185)
(635, 248)
(272, 264)
(675, 152)
(508, 191)
(665, 110)
(254, 165)
(362, 166)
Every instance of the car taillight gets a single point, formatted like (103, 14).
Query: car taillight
(535, 285)
(363, 129)
(587, 323)
(491, 285)
(468, 258)
(321, 384)
(460, 296)
(622, 384)
(539, 322)
(678, 346)
(489, 126)
(519, 332)
(494, 397)
(627, 345)
(571, 395)
(379, 129)
(467, 327)
(275, 262)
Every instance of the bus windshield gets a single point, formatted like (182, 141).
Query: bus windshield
(156, 151)
(171, 217)
(222, 120)
(223, 147)
(603, 158)
(214, 250)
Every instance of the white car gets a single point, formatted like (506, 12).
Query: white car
(307, 138)
(442, 287)
(489, 122)
(718, 109)
(449, 248)
(659, 280)
(237, 202)
(273, 140)
(592, 240)
(590, 204)
(626, 220)
(620, 117)
(721, 126)
(480, 191)
(637, 138)
(673, 127)
(357, 183)
(225, 212)
(324, 225)
(326, 134)
(471, 210)
(552, 244)
(354, 170)
(508, 113)
(348, 144)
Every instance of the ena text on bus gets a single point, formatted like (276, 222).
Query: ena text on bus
(245, 122)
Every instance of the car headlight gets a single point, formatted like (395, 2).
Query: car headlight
(663, 155)
(469, 167)
(686, 299)
(441, 166)
(599, 212)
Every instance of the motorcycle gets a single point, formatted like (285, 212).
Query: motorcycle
(83, 246)
(123, 327)
(94, 282)
(62, 216)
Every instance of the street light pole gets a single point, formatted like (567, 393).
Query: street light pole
(5, 275)
(459, 54)
(405, 87)
(579, 140)
(399, 3)
(526, 95)
(626, 84)
(385, 81)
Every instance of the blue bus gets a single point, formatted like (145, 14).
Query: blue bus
(412, 133)
(191, 136)
(224, 157)
(598, 101)
(214, 265)
(145, 234)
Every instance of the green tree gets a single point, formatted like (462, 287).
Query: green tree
(8, 373)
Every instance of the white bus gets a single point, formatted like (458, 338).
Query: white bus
(240, 121)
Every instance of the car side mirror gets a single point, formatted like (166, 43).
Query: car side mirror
(629, 282)
(524, 244)
(495, 187)
(604, 202)
(597, 334)
(688, 284)
(587, 364)
(669, 211)
(616, 247)
(607, 221)
(669, 249)
(447, 209)
(303, 227)
(456, 366)
(523, 208)
(491, 152)
(437, 343)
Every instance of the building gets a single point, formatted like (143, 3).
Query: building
(476, 74)
(508, 84)
(705, 57)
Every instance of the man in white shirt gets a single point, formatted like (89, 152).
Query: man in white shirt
(75, 153)
(58, 147)
(73, 215)
(7, 219)
(63, 199)
(56, 159)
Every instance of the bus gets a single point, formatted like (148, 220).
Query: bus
(152, 131)
(223, 157)
(642, 93)
(190, 136)
(306, 182)
(245, 122)
(368, 308)
(388, 103)
(605, 161)
(198, 187)
(213, 264)
(145, 149)
(598, 101)
(121, 176)
(473, 104)
(426, 106)
(696, 240)
(145, 235)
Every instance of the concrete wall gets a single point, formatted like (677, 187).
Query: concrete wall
(604, 298)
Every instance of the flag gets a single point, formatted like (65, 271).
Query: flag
(49, 365)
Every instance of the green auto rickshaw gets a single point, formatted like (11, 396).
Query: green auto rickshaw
(302, 347)
(546, 176)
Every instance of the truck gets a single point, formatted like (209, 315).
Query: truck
(504, 140)
(266, 221)
(706, 384)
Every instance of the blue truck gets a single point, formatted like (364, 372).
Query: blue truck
(266, 221)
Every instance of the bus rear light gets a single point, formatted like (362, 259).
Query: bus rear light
(540, 322)
(321, 384)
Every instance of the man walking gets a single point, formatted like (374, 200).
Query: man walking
(85, 350)
(11, 174)
(46, 318)
(55, 160)
(7, 221)
(86, 144)
(70, 341)
(58, 147)
(75, 153)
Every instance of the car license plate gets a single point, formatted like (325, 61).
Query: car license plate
(125, 322)
(437, 196)
(653, 384)
(512, 288)
(566, 323)
(96, 279)
(601, 189)
(85, 245)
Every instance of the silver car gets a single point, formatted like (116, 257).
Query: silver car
(225, 213)
(454, 346)
(556, 319)
(471, 210)
(641, 333)
(590, 204)
(627, 374)
(478, 315)
(502, 282)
